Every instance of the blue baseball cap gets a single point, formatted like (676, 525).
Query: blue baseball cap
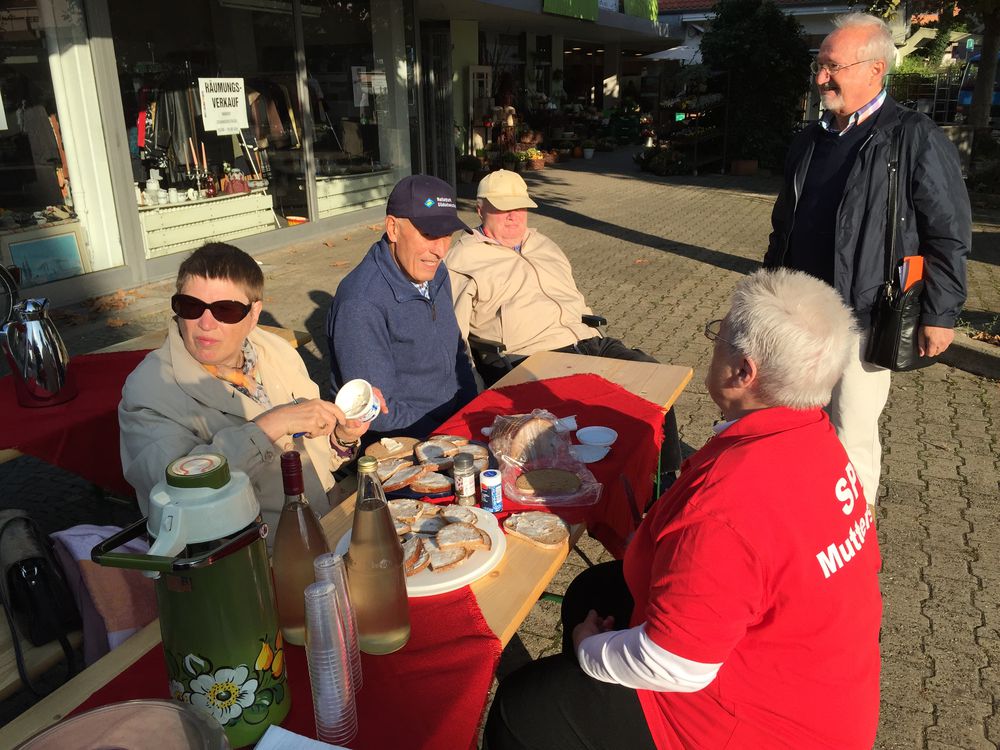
(429, 204)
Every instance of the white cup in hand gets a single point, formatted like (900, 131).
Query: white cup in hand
(358, 401)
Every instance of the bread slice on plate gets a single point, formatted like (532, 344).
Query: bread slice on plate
(437, 452)
(428, 509)
(461, 534)
(544, 482)
(415, 563)
(431, 482)
(456, 439)
(544, 529)
(444, 559)
(406, 511)
(453, 513)
(390, 466)
(403, 478)
(428, 526)
(401, 528)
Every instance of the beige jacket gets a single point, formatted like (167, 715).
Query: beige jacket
(527, 300)
(172, 407)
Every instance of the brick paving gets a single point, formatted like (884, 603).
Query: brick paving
(659, 257)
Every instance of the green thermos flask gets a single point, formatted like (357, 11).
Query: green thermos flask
(218, 620)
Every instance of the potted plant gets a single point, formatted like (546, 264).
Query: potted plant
(534, 159)
(467, 166)
(509, 161)
(588, 148)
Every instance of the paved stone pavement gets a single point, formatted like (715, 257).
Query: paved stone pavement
(659, 257)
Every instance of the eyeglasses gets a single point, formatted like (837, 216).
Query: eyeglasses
(225, 311)
(833, 68)
(712, 330)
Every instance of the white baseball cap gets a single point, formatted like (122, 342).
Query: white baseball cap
(505, 191)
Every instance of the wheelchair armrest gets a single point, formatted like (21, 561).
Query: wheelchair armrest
(480, 345)
(594, 321)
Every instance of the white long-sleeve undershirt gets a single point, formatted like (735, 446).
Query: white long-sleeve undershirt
(630, 658)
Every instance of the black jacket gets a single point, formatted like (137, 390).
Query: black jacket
(935, 219)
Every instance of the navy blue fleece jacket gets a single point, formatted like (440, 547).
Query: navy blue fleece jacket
(382, 329)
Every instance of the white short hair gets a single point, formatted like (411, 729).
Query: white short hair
(879, 46)
(797, 330)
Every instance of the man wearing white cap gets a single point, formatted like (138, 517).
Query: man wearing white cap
(514, 285)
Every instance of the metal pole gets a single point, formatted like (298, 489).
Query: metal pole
(305, 107)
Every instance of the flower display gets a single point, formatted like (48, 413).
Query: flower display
(224, 694)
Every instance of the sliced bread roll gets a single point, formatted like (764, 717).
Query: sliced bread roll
(411, 550)
(406, 511)
(403, 478)
(401, 527)
(476, 450)
(535, 440)
(543, 529)
(428, 509)
(548, 482)
(444, 559)
(461, 534)
(390, 466)
(454, 513)
(431, 482)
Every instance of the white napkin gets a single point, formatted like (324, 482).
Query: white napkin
(276, 738)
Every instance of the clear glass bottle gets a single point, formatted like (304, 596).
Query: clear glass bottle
(375, 574)
(298, 540)
(464, 472)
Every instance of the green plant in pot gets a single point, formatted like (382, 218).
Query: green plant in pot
(588, 147)
(466, 166)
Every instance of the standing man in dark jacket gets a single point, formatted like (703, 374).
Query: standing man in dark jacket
(830, 216)
(392, 321)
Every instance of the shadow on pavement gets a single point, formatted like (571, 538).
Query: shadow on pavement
(695, 252)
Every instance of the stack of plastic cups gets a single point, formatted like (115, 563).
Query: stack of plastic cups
(330, 567)
(334, 706)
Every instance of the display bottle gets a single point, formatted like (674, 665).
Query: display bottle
(375, 574)
(298, 540)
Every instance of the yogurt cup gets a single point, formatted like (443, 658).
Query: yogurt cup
(357, 400)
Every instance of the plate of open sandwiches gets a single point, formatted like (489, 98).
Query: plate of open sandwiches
(412, 469)
(445, 547)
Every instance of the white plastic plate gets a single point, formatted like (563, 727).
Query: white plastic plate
(475, 566)
(596, 435)
(588, 454)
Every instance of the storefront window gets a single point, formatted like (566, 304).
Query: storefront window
(47, 166)
(214, 126)
(353, 97)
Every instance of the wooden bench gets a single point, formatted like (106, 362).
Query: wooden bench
(155, 339)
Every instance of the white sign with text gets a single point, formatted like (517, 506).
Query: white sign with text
(223, 104)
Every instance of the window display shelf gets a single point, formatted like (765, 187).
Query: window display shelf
(343, 193)
(175, 227)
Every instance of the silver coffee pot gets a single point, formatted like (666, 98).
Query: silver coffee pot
(37, 356)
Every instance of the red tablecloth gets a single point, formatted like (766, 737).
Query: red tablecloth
(594, 401)
(81, 435)
(430, 694)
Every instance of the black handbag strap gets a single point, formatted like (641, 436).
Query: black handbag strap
(15, 637)
(892, 211)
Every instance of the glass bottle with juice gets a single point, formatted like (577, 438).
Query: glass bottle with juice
(298, 540)
(375, 574)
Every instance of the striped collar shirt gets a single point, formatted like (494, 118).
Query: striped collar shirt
(424, 289)
(857, 118)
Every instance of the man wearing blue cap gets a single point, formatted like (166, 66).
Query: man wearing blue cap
(392, 321)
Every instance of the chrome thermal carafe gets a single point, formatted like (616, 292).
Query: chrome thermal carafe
(37, 356)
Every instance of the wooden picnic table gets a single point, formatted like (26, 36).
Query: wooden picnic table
(505, 595)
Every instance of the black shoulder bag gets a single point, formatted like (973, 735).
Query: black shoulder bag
(894, 336)
(35, 596)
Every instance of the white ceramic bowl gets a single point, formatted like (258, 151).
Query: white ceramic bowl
(596, 435)
(589, 454)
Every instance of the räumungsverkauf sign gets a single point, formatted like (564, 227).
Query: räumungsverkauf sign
(223, 104)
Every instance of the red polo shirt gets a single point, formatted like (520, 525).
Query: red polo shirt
(763, 557)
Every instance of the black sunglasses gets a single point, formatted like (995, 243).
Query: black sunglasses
(225, 311)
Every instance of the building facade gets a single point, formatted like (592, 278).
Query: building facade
(131, 133)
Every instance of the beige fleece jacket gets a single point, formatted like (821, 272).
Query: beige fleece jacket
(172, 407)
(527, 300)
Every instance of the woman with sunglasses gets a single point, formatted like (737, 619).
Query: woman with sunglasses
(219, 384)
